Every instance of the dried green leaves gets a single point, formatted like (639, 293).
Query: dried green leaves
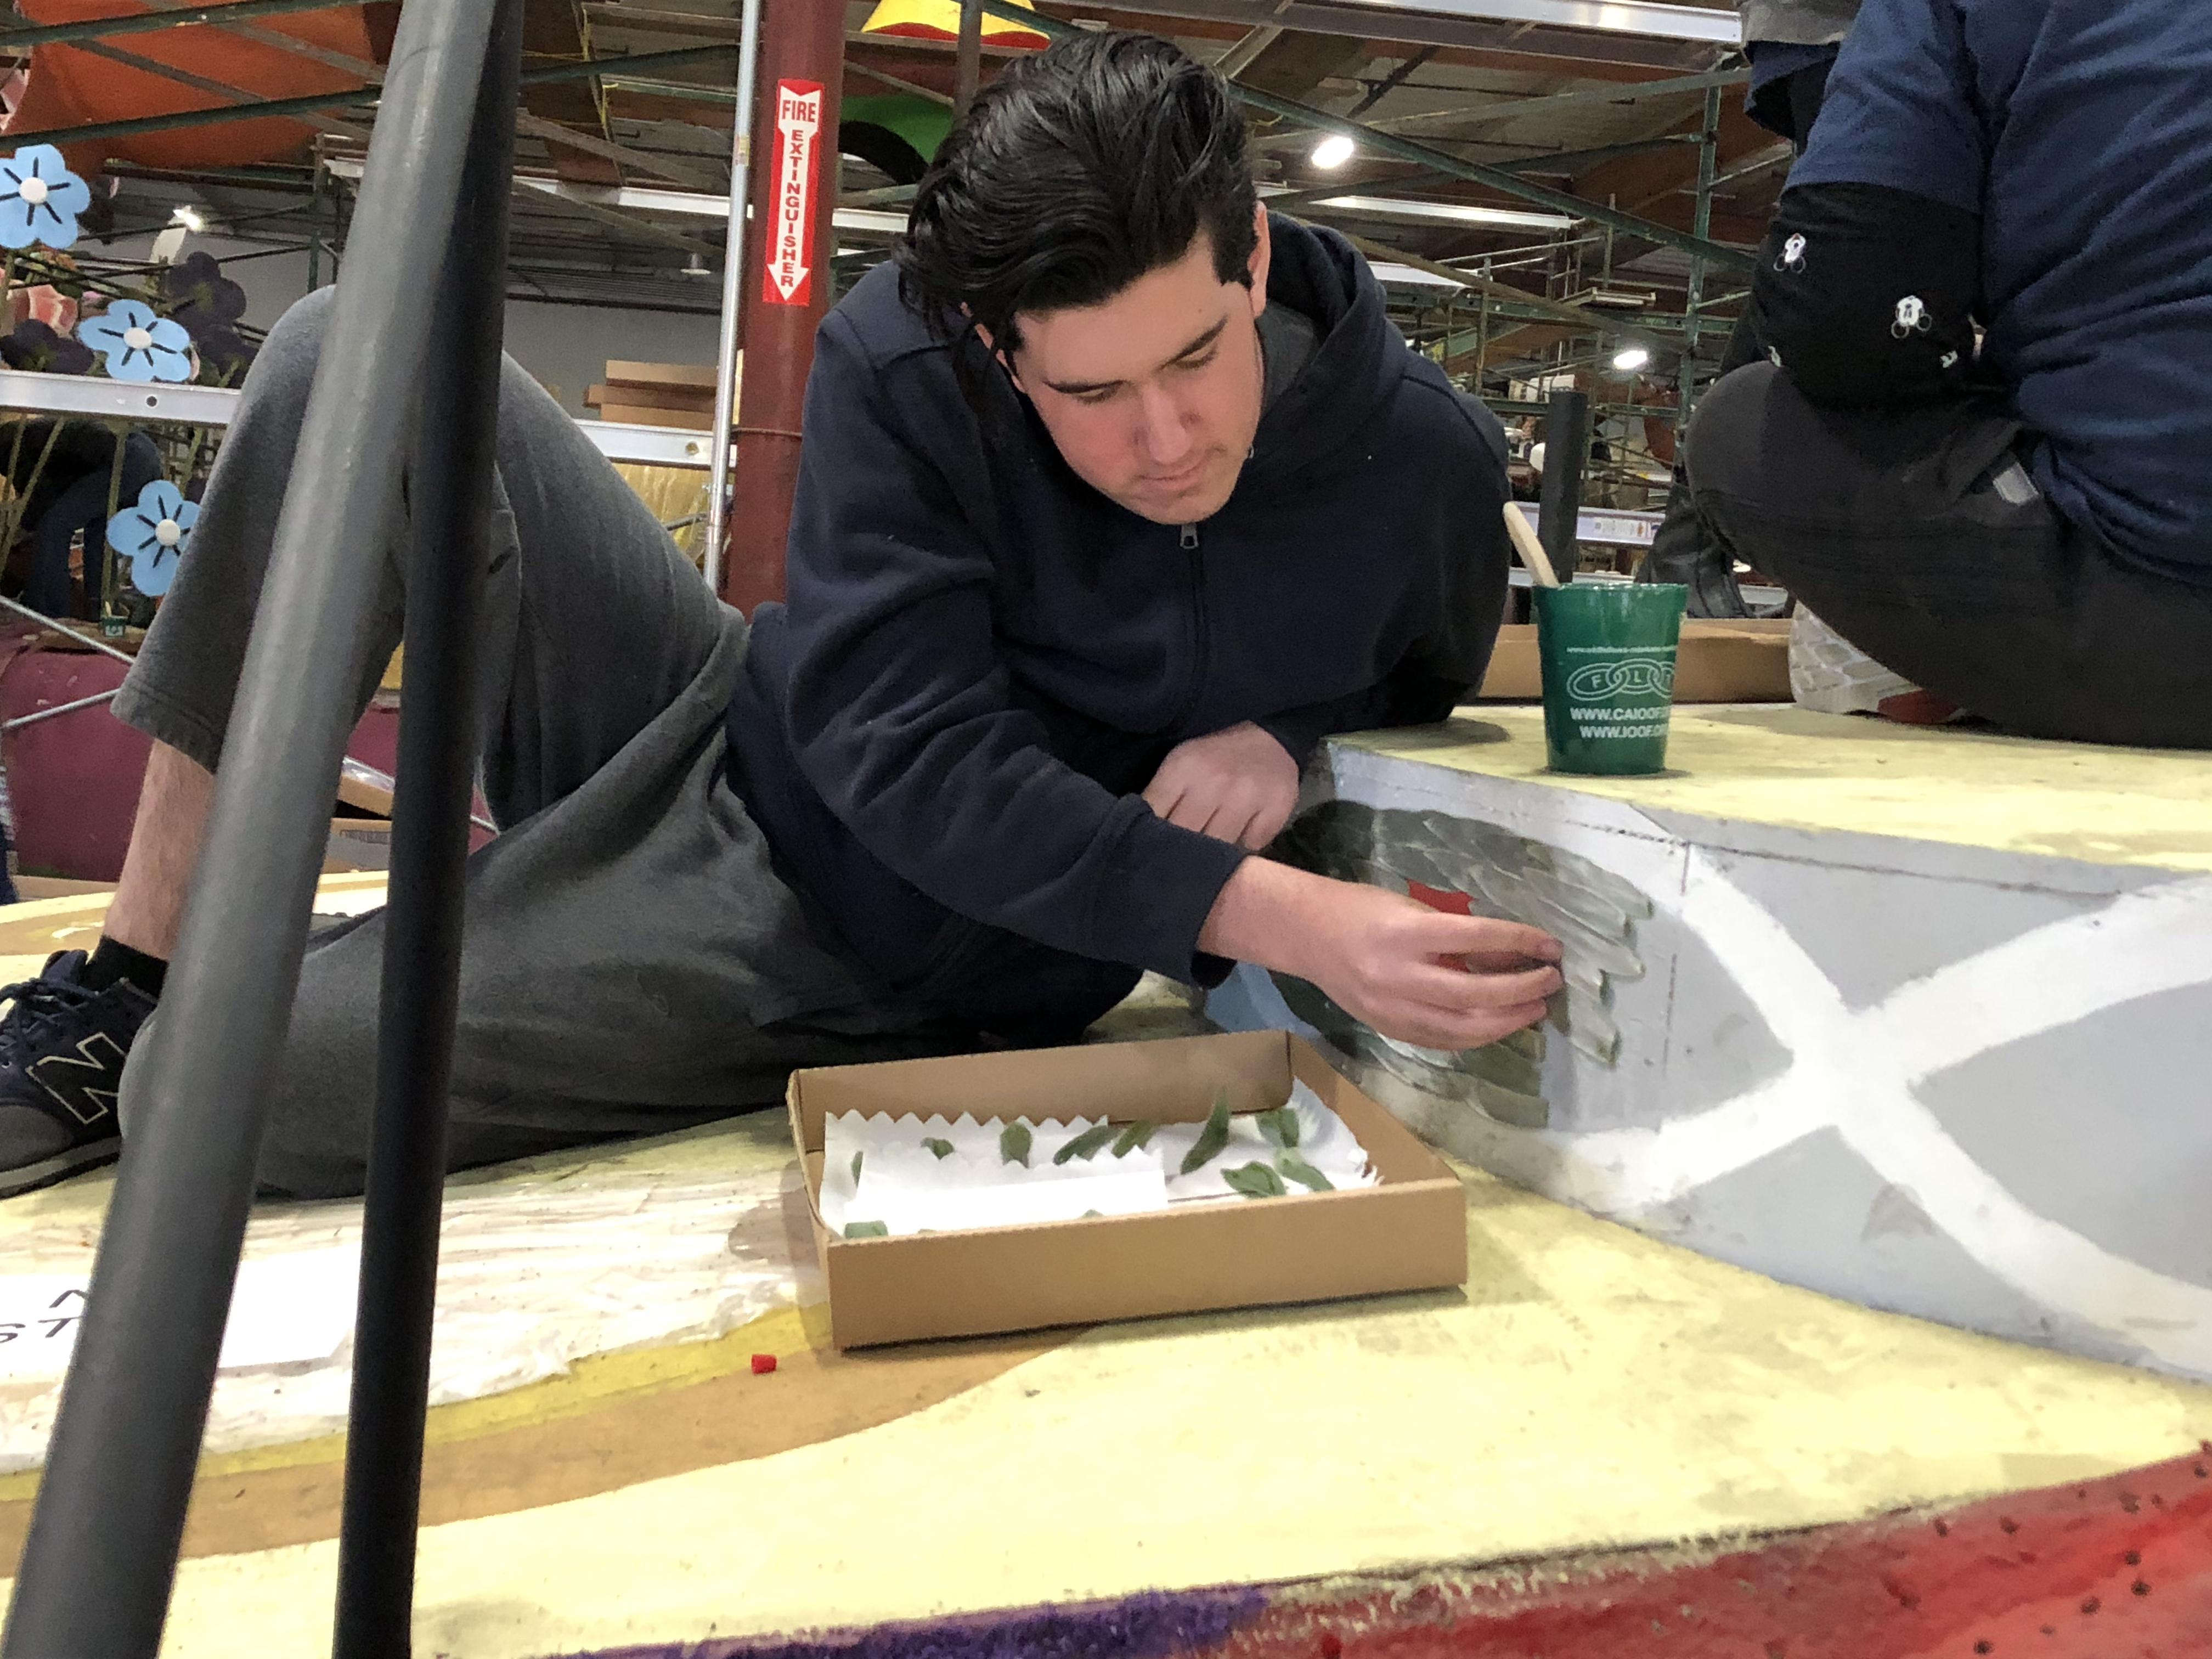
(1086, 1145)
(1255, 1181)
(1135, 1138)
(1211, 1138)
(1305, 1173)
(941, 1149)
(866, 1230)
(1014, 1144)
(1280, 1126)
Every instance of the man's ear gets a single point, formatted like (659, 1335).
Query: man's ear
(1262, 252)
(1005, 361)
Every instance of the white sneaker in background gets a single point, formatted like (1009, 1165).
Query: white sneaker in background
(1830, 674)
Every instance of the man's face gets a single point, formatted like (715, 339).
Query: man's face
(1153, 395)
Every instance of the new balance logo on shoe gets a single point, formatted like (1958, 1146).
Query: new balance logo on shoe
(62, 1045)
(69, 1078)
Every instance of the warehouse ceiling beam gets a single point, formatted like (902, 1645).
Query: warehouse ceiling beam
(214, 88)
(1577, 158)
(1499, 180)
(554, 32)
(1602, 49)
(537, 126)
(1446, 22)
(16, 31)
(1513, 109)
(899, 84)
(257, 109)
(301, 108)
(629, 63)
(1581, 317)
(1404, 149)
(1297, 201)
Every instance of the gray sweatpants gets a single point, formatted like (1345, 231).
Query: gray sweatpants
(633, 964)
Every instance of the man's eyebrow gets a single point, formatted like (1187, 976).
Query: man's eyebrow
(1083, 388)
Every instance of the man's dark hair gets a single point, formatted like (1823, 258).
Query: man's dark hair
(1078, 171)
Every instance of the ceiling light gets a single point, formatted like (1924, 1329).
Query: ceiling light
(1633, 358)
(1333, 151)
(1457, 213)
(189, 217)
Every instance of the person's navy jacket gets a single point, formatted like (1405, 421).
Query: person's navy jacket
(981, 660)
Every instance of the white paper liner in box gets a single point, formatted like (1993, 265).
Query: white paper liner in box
(1325, 1143)
(906, 1187)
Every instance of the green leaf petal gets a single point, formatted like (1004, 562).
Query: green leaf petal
(1086, 1145)
(942, 1148)
(866, 1230)
(1255, 1181)
(1305, 1173)
(1014, 1144)
(1138, 1134)
(1211, 1138)
(1281, 1125)
(857, 1156)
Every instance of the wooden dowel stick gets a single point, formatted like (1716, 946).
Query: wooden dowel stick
(1530, 549)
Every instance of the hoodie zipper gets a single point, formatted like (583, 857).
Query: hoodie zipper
(1188, 541)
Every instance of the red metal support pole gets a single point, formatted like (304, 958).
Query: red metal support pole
(788, 246)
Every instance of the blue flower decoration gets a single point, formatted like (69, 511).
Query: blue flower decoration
(153, 534)
(137, 344)
(39, 198)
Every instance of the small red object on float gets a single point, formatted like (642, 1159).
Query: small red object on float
(763, 1363)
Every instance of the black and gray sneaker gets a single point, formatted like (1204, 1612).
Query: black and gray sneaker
(62, 1049)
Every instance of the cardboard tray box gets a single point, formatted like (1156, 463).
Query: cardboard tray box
(1407, 1233)
(1721, 659)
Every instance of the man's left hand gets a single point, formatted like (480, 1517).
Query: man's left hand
(1239, 784)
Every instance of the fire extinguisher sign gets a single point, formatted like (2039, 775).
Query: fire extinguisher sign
(788, 278)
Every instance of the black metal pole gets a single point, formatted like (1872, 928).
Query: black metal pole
(450, 500)
(100, 1559)
(1566, 453)
(968, 58)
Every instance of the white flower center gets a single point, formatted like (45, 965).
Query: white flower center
(168, 533)
(33, 191)
(137, 339)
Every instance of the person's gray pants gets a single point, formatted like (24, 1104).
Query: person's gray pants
(633, 963)
(1919, 536)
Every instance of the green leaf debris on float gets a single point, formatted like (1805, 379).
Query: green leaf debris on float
(1137, 1135)
(1280, 1126)
(1014, 1144)
(1086, 1145)
(1305, 1173)
(1211, 1138)
(942, 1148)
(857, 1156)
(1255, 1181)
(866, 1230)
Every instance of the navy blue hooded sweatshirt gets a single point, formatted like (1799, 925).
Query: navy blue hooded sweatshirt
(944, 729)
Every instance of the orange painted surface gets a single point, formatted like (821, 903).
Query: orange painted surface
(69, 86)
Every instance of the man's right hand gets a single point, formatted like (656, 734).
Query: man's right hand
(1421, 976)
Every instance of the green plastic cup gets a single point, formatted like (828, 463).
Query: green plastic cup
(1608, 650)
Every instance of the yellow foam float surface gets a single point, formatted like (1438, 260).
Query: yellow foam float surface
(1792, 767)
(1590, 1387)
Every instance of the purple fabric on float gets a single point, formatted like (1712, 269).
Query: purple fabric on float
(1153, 1625)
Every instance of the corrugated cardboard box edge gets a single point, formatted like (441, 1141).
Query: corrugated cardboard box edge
(1407, 1233)
(1721, 659)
